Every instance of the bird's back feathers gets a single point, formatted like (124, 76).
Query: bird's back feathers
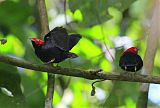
(59, 38)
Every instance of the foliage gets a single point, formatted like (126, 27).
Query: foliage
(99, 21)
(99, 14)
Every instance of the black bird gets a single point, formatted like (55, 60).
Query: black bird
(56, 45)
(130, 60)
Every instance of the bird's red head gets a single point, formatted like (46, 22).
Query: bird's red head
(131, 50)
(38, 41)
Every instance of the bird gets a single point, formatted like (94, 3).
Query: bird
(56, 45)
(130, 60)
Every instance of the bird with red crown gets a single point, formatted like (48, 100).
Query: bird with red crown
(130, 60)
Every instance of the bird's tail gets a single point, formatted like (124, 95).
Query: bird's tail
(72, 55)
(73, 40)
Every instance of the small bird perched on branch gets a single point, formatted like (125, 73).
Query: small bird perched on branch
(130, 60)
(56, 45)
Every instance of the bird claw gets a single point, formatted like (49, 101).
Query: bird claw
(135, 68)
(125, 68)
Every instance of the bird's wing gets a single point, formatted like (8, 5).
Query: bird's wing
(57, 37)
(73, 40)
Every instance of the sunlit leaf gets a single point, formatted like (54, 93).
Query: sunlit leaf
(78, 15)
(106, 65)
(79, 94)
(130, 103)
(134, 30)
(13, 46)
(56, 98)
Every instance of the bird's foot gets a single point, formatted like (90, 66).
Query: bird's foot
(51, 61)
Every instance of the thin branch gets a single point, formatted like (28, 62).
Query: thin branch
(43, 17)
(50, 90)
(91, 75)
(93, 87)
(103, 34)
(45, 29)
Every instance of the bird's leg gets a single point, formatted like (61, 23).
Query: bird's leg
(51, 61)
(125, 68)
(136, 72)
(135, 68)
(130, 74)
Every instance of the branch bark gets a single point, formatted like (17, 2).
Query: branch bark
(43, 17)
(91, 74)
(45, 29)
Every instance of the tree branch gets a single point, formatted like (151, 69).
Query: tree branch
(45, 29)
(43, 17)
(91, 75)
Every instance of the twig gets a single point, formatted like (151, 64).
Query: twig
(80, 73)
(43, 17)
(106, 44)
(50, 90)
(102, 32)
(93, 87)
(45, 30)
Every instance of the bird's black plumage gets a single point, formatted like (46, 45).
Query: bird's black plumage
(130, 62)
(57, 44)
(60, 38)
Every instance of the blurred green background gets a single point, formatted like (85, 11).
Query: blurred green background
(115, 23)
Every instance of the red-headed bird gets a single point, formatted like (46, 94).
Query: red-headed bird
(130, 60)
(56, 45)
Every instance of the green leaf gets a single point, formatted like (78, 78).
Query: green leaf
(13, 13)
(13, 45)
(96, 11)
(10, 79)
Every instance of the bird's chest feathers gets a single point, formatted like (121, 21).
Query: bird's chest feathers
(48, 53)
